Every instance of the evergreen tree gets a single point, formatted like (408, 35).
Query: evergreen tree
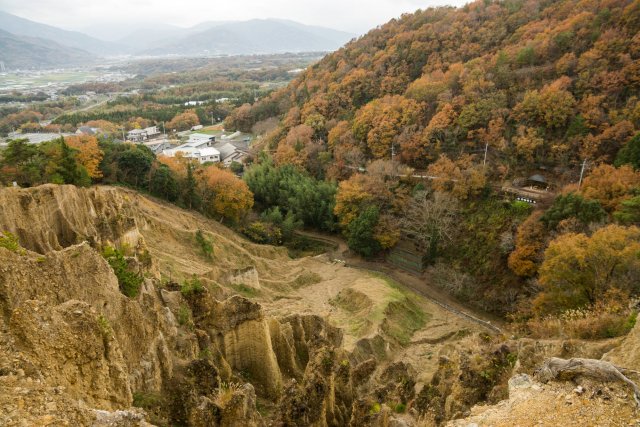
(573, 206)
(630, 153)
(189, 196)
(629, 211)
(163, 184)
(68, 167)
(360, 233)
(134, 164)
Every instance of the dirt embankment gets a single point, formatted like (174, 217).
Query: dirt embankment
(264, 340)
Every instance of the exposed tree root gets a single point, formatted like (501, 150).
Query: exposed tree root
(568, 369)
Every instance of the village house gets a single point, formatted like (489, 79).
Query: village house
(205, 149)
(158, 145)
(202, 137)
(229, 153)
(86, 130)
(140, 135)
(199, 146)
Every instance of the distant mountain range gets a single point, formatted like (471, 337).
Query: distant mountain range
(28, 44)
(249, 37)
(20, 52)
(73, 39)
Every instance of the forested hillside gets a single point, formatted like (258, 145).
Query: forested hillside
(541, 87)
(544, 82)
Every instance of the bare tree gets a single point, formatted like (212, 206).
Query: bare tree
(430, 221)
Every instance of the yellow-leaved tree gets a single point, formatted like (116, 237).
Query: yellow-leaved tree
(460, 178)
(610, 185)
(89, 153)
(578, 270)
(225, 194)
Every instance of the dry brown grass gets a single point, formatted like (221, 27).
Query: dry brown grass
(584, 324)
(224, 393)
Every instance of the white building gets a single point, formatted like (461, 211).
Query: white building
(199, 146)
(205, 149)
(208, 154)
(139, 135)
(202, 137)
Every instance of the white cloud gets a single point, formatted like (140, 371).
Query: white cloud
(349, 15)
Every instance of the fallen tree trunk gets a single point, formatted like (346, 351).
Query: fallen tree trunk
(568, 369)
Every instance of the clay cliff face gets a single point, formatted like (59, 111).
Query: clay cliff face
(74, 350)
(85, 353)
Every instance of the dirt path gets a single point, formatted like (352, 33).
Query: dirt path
(415, 283)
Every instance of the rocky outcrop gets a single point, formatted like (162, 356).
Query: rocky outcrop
(246, 276)
(244, 339)
(52, 217)
(143, 329)
(465, 378)
(66, 324)
(556, 404)
(627, 354)
(74, 350)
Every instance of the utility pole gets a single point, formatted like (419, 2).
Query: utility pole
(584, 165)
(164, 131)
(212, 118)
(486, 148)
(123, 138)
(393, 166)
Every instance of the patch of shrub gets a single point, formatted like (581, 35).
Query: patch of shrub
(246, 291)
(521, 208)
(583, 324)
(301, 246)
(307, 278)
(400, 408)
(184, 316)
(105, 327)
(205, 245)
(608, 318)
(129, 281)
(9, 241)
(191, 286)
(263, 233)
(147, 400)
(375, 408)
(224, 393)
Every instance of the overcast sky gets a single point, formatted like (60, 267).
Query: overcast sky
(355, 16)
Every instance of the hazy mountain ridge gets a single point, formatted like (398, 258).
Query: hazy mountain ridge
(255, 36)
(73, 39)
(210, 37)
(33, 52)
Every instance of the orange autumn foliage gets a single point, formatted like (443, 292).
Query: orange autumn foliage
(89, 153)
(226, 194)
(610, 185)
